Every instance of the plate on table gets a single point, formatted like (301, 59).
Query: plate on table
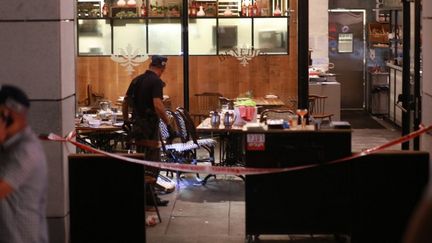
(118, 124)
(271, 96)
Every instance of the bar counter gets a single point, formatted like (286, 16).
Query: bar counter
(369, 198)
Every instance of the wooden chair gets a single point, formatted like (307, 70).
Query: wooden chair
(291, 103)
(317, 107)
(92, 99)
(206, 102)
(226, 101)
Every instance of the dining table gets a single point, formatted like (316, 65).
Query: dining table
(100, 134)
(262, 146)
(232, 138)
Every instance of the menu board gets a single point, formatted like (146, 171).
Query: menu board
(345, 42)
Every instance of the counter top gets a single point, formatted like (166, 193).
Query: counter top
(379, 73)
(391, 65)
(205, 126)
(324, 83)
(400, 68)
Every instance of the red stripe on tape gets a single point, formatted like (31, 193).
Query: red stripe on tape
(234, 170)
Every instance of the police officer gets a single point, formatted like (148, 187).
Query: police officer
(145, 95)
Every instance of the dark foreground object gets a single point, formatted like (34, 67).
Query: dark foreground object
(107, 200)
(370, 198)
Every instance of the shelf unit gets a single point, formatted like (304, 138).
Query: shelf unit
(102, 36)
(384, 79)
(395, 41)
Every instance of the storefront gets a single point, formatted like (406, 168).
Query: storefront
(228, 51)
(41, 54)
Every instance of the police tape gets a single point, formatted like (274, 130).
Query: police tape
(228, 170)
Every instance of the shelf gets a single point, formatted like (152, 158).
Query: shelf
(169, 17)
(101, 36)
(380, 73)
(396, 40)
(162, 17)
(126, 18)
(238, 17)
(380, 46)
(393, 66)
(388, 9)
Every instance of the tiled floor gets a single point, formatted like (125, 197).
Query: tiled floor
(216, 212)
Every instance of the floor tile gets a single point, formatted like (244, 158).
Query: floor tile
(194, 226)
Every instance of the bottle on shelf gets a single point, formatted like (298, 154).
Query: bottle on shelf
(227, 11)
(143, 10)
(193, 10)
(201, 12)
(277, 11)
(250, 9)
(105, 10)
(121, 3)
(243, 9)
(255, 11)
(131, 2)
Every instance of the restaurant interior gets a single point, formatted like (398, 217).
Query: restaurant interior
(256, 84)
(295, 120)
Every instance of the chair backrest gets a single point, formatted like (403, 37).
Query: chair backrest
(164, 134)
(291, 103)
(189, 124)
(276, 114)
(207, 102)
(317, 104)
(183, 126)
(93, 97)
(226, 101)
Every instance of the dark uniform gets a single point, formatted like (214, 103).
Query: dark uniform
(145, 121)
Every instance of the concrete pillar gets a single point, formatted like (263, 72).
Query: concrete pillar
(37, 46)
(318, 32)
(426, 141)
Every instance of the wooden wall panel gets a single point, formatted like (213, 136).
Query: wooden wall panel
(112, 80)
(266, 74)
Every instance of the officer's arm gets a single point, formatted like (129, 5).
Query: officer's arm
(125, 108)
(160, 109)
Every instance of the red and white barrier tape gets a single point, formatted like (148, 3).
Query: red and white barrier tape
(232, 170)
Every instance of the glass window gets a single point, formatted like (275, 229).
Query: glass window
(129, 32)
(202, 38)
(164, 36)
(270, 35)
(94, 37)
(234, 32)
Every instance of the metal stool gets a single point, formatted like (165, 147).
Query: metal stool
(150, 182)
